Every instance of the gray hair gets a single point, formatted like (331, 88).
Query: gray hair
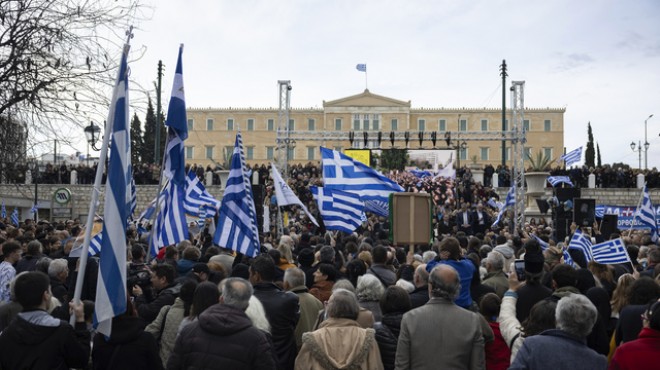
(428, 256)
(444, 282)
(57, 266)
(343, 305)
(576, 315)
(236, 292)
(42, 264)
(496, 260)
(256, 313)
(343, 284)
(327, 254)
(34, 247)
(294, 277)
(369, 288)
(422, 273)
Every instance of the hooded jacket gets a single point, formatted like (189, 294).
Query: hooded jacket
(36, 340)
(222, 338)
(129, 347)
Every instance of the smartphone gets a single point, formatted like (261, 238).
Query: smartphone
(519, 265)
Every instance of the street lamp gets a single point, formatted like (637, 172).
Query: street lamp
(639, 151)
(460, 148)
(646, 145)
(92, 132)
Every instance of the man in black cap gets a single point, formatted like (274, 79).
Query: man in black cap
(533, 291)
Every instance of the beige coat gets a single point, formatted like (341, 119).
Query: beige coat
(339, 344)
(168, 336)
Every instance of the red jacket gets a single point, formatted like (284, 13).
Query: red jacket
(498, 353)
(642, 353)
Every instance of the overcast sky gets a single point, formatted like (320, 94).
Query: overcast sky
(598, 59)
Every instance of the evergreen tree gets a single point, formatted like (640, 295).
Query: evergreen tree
(149, 135)
(394, 159)
(590, 153)
(600, 163)
(137, 145)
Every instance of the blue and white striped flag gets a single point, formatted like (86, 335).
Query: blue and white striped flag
(341, 172)
(571, 157)
(34, 209)
(237, 219)
(14, 217)
(285, 196)
(3, 211)
(568, 259)
(583, 243)
(556, 180)
(611, 252)
(544, 245)
(340, 210)
(171, 225)
(646, 216)
(133, 196)
(149, 212)
(509, 202)
(421, 174)
(361, 67)
(198, 198)
(111, 291)
(202, 217)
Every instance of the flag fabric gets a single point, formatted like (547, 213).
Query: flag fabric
(111, 283)
(340, 210)
(556, 180)
(583, 243)
(14, 217)
(421, 174)
(571, 157)
(447, 171)
(341, 172)
(568, 259)
(237, 218)
(509, 202)
(3, 211)
(133, 196)
(149, 212)
(544, 245)
(645, 214)
(34, 209)
(95, 245)
(611, 252)
(202, 216)
(285, 196)
(171, 225)
(198, 199)
(361, 67)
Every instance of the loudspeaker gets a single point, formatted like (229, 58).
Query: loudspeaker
(562, 226)
(543, 205)
(584, 211)
(609, 225)
(410, 218)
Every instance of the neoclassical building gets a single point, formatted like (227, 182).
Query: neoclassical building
(212, 130)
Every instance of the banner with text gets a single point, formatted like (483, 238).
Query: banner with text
(625, 215)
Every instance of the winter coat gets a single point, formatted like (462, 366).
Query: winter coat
(419, 296)
(498, 281)
(309, 310)
(387, 336)
(386, 276)
(339, 344)
(149, 310)
(222, 338)
(498, 354)
(642, 353)
(322, 290)
(528, 296)
(172, 315)
(129, 347)
(36, 340)
(510, 327)
(373, 307)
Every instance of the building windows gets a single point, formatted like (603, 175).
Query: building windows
(365, 122)
(376, 122)
(484, 125)
(547, 125)
(547, 152)
(311, 124)
(250, 152)
(528, 152)
(250, 124)
(484, 153)
(421, 124)
(292, 125)
(526, 125)
(442, 125)
(356, 122)
(290, 153)
(395, 124)
(462, 125)
(270, 152)
(189, 152)
(209, 152)
(230, 124)
(310, 153)
(209, 124)
(463, 154)
(270, 125)
(190, 124)
(337, 124)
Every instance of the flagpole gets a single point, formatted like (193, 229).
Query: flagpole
(95, 192)
(366, 85)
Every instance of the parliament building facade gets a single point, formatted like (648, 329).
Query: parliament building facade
(212, 131)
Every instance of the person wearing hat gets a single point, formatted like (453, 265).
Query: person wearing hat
(533, 291)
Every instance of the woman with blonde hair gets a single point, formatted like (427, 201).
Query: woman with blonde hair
(286, 258)
(621, 295)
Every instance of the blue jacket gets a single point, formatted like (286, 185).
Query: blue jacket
(465, 270)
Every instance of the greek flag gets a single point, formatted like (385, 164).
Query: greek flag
(171, 226)
(421, 174)
(544, 245)
(3, 211)
(571, 157)
(509, 202)
(148, 213)
(361, 67)
(111, 283)
(285, 196)
(95, 245)
(568, 259)
(611, 252)
(581, 242)
(237, 219)
(341, 172)
(34, 209)
(198, 198)
(340, 210)
(14, 217)
(133, 196)
(556, 180)
(645, 214)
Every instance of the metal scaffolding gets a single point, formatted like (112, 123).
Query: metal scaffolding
(283, 139)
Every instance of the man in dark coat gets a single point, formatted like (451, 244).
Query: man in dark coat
(420, 295)
(162, 281)
(36, 340)
(464, 220)
(282, 310)
(223, 336)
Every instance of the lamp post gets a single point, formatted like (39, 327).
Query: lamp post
(646, 145)
(92, 132)
(459, 148)
(639, 151)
